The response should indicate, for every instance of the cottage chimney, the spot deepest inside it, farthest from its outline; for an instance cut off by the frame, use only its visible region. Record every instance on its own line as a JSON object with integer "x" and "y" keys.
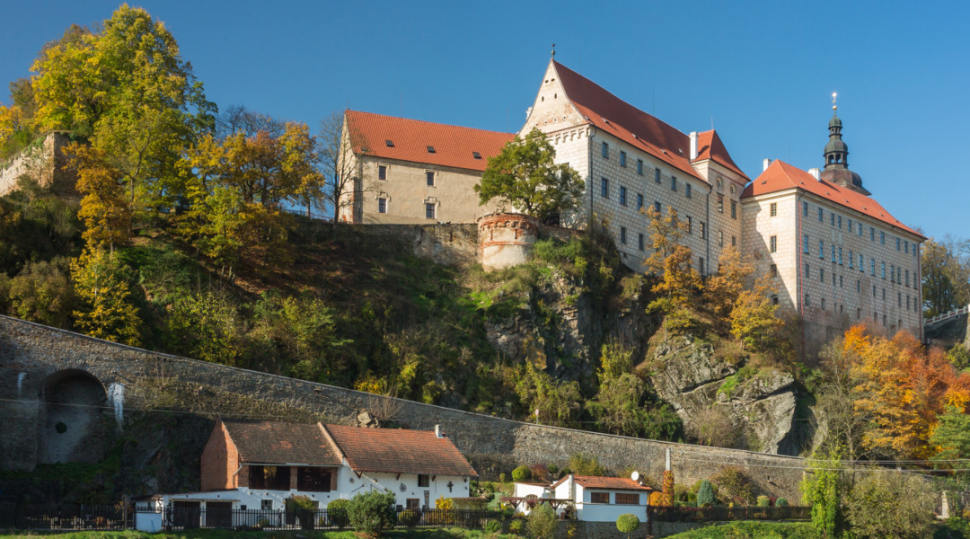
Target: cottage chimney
{"x": 816, "y": 173}
{"x": 693, "y": 145}
{"x": 437, "y": 431}
{"x": 766, "y": 164}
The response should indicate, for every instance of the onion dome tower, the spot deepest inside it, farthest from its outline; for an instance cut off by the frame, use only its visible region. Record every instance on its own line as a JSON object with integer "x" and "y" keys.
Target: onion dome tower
{"x": 837, "y": 157}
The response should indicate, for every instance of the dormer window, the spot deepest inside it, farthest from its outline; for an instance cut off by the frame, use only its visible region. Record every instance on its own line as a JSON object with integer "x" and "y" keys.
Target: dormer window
{"x": 476, "y": 155}
{"x": 431, "y": 149}
{"x": 389, "y": 143}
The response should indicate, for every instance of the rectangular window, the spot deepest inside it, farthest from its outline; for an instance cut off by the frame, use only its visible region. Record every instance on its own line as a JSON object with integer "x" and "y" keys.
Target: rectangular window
{"x": 839, "y": 221}
{"x": 808, "y": 271}
{"x": 892, "y": 273}
{"x": 429, "y": 210}
{"x": 831, "y": 219}
{"x": 690, "y": 225}
{"x": 599, "y": 497}
{"x": 656, "y": 207}
{"x": 872, "y": 234}
{"x": 851, "y": 260}
{"x": 703, "y": 231}
{"x": 639, "y": 202}
{"x": 805, "y": 244}
{"x": 623, "y": 235}
{"x": 900, "y": 299}
{"x": 773, "y": 270}
{"x": 823, "y": 304}
{"x": 413, "y": 503}
{"x": 269, "y": 477}
{"x": 686, "y": 189}
{"x": 622, "y": 196}
{"x": 700, "y": 266}
{"x": 873, "y": 290}
{"x": 381, "y": 172}
{"x": 430, "y": 178}
{"x": 883, "y": 270}
{"x": 805, "y": 209}
{"x": 424, "y": 480}
{"x": 627, "y": 498}
{"x": 622, "y": 158}
{"x": 773, "y": 244}
{"x": 640, "y": 242}
{"x": 850, "y": 226}
{"x": 656, "y": 175}
{"x": 640, "y": 167}
{"x": 862, "y": 264}
{"x": 604, "y": 188}
{"x": 907, "y": 277}
{"x": 840, "y": 256}
{"x": 821, "y": 249}
{"x": 314, "y": 479}
{"x": 605, "y": 151}
{"x": 882, "y": 238}
{"x": 673, "y": 183}
{"x": 833, "y": 253}
{"x": 382, "y": 205}
{"x": 884, "y": 294}
{"x": 820, "y": 214}
{"x": 897, "y": 245}
{"x": 906, "y": 247}
{"x": 720, "y": 238}
{"x": 821, "y": 275}
{"x": 734, "y": 241}
{"x": 860, "y": 230}
{"x": 734, "y": 210}
{"x": 858, "y": 286}
{"x": 833, "y": 278}
{"x": 807, "y": 303}
{"x": 774, "y": 209}
{"x": 872, "y": 266}
{"x": 720, "y": 203}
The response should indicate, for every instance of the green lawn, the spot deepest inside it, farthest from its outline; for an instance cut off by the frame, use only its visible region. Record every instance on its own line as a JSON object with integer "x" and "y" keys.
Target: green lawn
{"x": 749, "y": 529}
{"x": 450, "y": 533}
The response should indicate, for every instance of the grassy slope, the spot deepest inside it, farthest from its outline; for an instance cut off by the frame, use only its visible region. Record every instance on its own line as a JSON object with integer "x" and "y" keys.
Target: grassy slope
{"x": 448, "y": 533}
{"x": 759, "y": 530}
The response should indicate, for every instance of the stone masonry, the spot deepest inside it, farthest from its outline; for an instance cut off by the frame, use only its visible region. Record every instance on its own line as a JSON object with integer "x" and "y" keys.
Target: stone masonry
{"x": 31, "y": 353}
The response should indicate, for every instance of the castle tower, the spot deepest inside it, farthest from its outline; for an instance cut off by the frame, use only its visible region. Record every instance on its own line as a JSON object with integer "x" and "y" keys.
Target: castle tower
{"x": 837, "y": 158}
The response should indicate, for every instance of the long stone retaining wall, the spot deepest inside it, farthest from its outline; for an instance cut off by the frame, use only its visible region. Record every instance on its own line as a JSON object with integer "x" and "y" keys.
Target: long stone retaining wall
{"x": 32, "y": 355}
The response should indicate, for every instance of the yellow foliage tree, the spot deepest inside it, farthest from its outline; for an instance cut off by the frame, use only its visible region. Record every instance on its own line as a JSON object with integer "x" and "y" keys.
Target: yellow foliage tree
{"x": 722, "y": 289}
{"x": 753, "y": 317}
{"x": 680, "y": 283}
{"x": 102, "y": 286}
{"x": 104, "y": 207}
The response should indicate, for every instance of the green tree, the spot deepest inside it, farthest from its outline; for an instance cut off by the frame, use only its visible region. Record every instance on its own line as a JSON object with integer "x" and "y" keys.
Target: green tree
{"x": 627, "y": 523}
{"x": 42, "y": 292}
{"x": 542, "y": 522}
{"x": 617, "y": 406}
{"x": 372, "y": 512}
{"x": 705, "y": 494}
{"x": 580, "y": 464}
{"x": 557, "y": 401}
{"x": 825, "y": 491}
{"x": 107, "y": 309}
{"x": 952, "y": 437}
{"x": 525, "y": 175}
{"x": 890, "y": 504}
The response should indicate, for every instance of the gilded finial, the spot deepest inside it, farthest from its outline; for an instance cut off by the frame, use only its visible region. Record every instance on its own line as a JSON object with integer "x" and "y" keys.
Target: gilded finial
{"x": 553, "y": 50}
{"x": 834, "y": 96}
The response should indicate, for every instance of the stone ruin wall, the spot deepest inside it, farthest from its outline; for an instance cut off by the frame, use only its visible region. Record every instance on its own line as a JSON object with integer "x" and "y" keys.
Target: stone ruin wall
{"x": 31, "y": 355}
{"x": 46, "y": 164}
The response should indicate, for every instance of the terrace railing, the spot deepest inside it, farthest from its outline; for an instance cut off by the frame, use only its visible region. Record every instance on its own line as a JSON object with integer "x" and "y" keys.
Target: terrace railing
{"x": 65, "y": 517}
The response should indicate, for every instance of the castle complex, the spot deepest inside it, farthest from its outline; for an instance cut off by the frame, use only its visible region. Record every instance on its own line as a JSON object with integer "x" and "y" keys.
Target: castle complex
{"x": 836, "y": 256}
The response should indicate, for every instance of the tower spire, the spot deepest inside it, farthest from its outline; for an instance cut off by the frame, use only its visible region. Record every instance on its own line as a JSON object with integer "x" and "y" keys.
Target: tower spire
{"x": 837, "y": 156}
{"x": 553, "y": 51}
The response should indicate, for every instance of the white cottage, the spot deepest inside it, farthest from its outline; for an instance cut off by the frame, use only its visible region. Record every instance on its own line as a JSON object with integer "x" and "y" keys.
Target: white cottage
{"x": 595, "y": 499}
{"x": 249, "y": 465}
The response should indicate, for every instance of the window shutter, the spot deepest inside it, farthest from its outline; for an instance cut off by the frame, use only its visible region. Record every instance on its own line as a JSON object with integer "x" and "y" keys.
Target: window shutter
{"x": 333, "y": 479}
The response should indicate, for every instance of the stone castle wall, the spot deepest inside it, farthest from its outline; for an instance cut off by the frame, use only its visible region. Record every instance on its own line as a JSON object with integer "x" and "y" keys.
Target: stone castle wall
{"x": 31, "y": 353}
{"x": 506, "y": 240}
{"x": 46, "y": 164}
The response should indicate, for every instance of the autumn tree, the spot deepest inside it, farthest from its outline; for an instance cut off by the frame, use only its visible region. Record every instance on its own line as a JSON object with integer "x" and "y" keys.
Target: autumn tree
{"x": 107, "y": 309}
{"x": 722, "y": 289}
{"x": 105, "y": 210}
{"x": 753, "y": 318}
{"x": 680, "y": 283}
{"x": 525, "y": 175}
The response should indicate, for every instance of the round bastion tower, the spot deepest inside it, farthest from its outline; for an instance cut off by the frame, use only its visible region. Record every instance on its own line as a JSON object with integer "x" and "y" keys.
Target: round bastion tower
{"x": 506, "y": 239}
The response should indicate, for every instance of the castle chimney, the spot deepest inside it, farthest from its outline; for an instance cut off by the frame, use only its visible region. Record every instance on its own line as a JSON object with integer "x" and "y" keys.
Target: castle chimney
{"x": 766, "y": 164}
{"x": 816, "y": 173}
{"x": 693, "y": 145}
{"x": 437, "y": 431}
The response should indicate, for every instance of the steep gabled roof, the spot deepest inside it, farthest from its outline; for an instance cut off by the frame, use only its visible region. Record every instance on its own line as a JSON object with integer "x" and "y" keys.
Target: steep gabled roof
{"x": 780, "y": 176}
{"x": 399, "y": 451}
{"x": 635, "y": 127}
{"x": 271, "y": 442}
{"x": 454, "y": 146}
{"x": 710, "y": 146}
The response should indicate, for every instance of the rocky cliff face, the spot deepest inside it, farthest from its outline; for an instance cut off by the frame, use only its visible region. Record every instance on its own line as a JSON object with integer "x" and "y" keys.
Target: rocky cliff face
{"x": 761, "y": 404}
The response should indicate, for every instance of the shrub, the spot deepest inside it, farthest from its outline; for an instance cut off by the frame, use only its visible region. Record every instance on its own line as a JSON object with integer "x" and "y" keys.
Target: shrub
{"x": 540, "y": 472}
{"x": 493, "y": 526}
{"x": 501, "y": 477}
{"x": 582, "y": 465}
{"x": 294, "y": 503}
{"x": 371, "y": 513}
{"x": 409, "y": 518}
{"x": 542, "y": 522}
{"x": 479, "y": 503}
{"x": 553, "y": 471}
{"x": 890, "y": 505}
{"x": 705, "y": 494}
{"x": 734, "y": 485}
{"x": 337, "y": 513}
{"x": 763, "y": 501}
{"x": 781, "y": 502}
{"x": 522, "y": 473}
{"x": 516, "y": 526}
{"x": 627, "y": 523}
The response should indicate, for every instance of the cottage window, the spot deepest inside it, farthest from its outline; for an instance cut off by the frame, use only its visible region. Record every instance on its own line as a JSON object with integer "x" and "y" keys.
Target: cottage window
{"x": 424, "y": 480}
{"x": 599, "y": 497}
{"x": 413, "y": 503}
{"x": 266, "y": 505}
{"x": 269, "y": 477}
{"x": 627, "y": 498}
{"x": 314, "y": 479}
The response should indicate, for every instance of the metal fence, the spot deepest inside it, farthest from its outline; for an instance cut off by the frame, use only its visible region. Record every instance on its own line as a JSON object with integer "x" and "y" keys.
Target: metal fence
{"x": 722, "y": 514}
{"x": 184, "y": 518}
{"x": 66, "y": 517}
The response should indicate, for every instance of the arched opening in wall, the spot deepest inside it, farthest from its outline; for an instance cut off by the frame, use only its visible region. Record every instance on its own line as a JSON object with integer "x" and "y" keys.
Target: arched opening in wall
{"x": 72, "y": 426}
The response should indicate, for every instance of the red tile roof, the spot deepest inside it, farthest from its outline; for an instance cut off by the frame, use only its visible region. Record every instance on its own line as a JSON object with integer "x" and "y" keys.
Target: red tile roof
{"x": 454, "y": 146}
{"x": 710, "y": 146}
{"x": 611, "y": 483}
{"x": 269, "y": 442}
{"x": 780, "y": 176}
{"x": 633, "y": 126}
{"x": 399, "y": 451}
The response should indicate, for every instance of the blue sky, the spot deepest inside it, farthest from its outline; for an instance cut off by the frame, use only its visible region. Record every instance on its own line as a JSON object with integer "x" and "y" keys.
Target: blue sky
{"x": 763, "y": 72}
